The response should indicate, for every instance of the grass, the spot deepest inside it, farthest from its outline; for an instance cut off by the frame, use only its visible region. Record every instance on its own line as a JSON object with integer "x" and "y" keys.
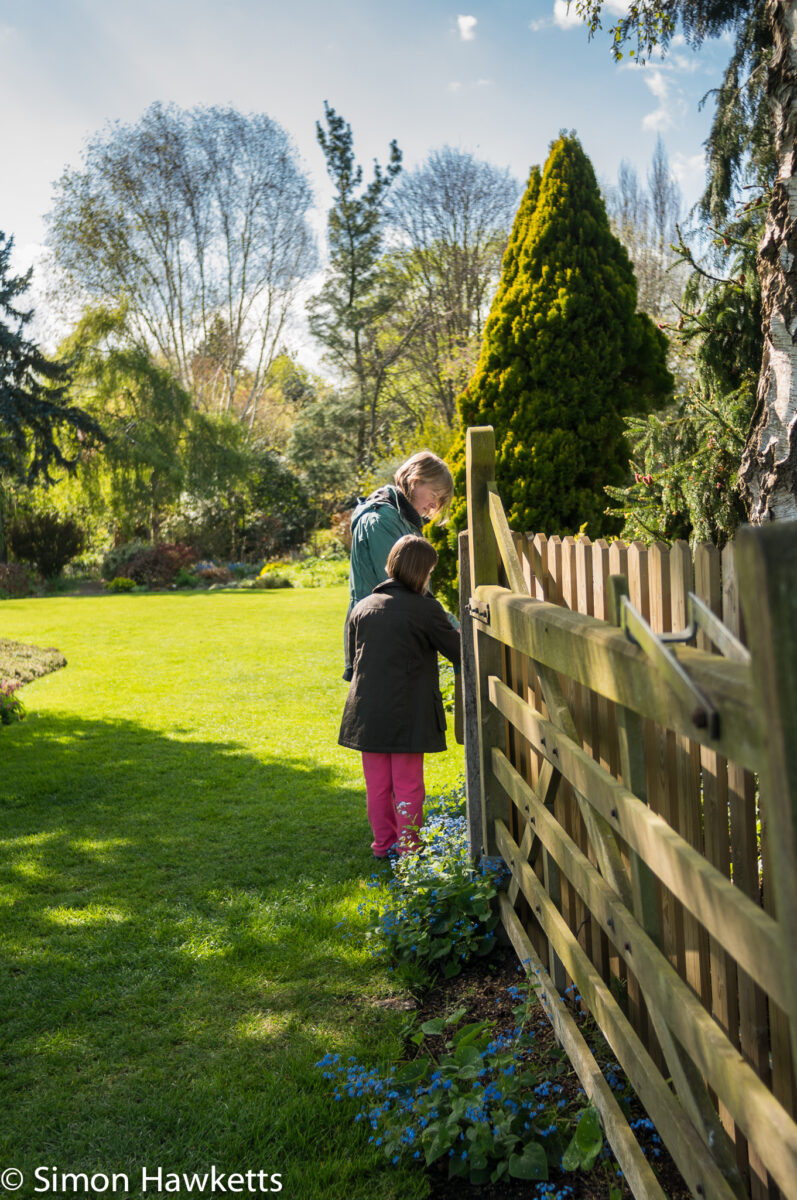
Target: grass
{"x": 181, "y": 837}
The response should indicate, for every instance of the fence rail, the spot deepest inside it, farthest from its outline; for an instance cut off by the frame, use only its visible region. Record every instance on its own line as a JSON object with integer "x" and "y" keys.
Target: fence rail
{"x": 619, "y": 780}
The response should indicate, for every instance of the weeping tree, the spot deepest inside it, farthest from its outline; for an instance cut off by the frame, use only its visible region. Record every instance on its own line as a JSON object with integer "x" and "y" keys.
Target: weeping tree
{"x": 565, "y": 357}
{"x": 753, "y": 136}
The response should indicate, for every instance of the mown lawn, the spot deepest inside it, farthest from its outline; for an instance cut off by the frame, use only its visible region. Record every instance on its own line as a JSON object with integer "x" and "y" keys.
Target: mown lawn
{"x": 180, "y": 838}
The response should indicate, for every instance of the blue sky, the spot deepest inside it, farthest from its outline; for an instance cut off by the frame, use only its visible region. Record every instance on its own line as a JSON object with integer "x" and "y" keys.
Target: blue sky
{"x": 498, "y": 77}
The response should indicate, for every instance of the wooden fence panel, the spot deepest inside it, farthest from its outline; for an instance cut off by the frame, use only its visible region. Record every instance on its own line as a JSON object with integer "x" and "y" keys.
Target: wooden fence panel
{"x": 691, "y": 787}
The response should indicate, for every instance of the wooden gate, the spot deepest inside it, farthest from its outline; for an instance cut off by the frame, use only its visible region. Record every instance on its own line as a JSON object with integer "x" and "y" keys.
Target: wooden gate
{"x": 616, "y": 773}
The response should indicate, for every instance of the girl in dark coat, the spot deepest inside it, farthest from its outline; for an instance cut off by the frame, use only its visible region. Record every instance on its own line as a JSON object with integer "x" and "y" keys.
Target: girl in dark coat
{"x": 394, "y": 711}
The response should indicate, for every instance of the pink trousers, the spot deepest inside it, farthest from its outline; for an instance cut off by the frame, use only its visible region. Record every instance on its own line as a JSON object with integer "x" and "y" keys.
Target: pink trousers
{"x": 394, "y": 793}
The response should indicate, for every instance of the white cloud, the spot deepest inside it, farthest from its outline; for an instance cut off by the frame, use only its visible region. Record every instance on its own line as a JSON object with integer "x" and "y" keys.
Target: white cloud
{"x": 454, "y": 86}
{"x": 565, "y": 16}
{"x": 671, "y": 101}
{"x": 689, "y": 170}
{"x": 661, "y": 117}
{"x": 484, "y": 83}
{"x": 467, "y": 28}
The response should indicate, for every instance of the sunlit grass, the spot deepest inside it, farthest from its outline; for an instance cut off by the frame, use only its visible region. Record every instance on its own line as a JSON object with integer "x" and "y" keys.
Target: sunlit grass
{"x": 181, "y": 838}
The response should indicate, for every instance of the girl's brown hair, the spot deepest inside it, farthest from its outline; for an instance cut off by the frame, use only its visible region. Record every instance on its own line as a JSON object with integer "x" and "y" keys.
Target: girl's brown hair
{"x": 410, "y": 561}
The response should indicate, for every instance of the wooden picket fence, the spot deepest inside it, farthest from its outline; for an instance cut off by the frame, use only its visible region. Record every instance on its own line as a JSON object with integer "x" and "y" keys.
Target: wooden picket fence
{"x": 618, "y": 777}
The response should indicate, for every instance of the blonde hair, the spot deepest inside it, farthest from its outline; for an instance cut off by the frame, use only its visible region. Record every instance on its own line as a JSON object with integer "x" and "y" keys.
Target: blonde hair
{"x": 428, "y": 468}
{"x": 411, "y": 560}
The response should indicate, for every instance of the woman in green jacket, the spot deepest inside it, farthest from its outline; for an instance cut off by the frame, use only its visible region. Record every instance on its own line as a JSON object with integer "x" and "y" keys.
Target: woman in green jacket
{"x": 423, "y": 488}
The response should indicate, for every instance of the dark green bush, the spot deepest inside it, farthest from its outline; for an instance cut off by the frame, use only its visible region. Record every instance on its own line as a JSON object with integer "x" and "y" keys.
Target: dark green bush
{"x": 564, "y": 358}
{"x": 45, "y": 541}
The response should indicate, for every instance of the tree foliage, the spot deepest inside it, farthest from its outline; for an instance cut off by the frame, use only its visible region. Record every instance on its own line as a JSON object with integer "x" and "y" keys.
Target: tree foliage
{"x": 645, "y": 218}
{"x": 34, "y": 406}
{"x": 565, "y": 357}
{"x": 348, "y": 313}
{"x": 451, "y": 217}
{"x": 197, "y": 221}
{"x": 654, "y": 22}
{"x": 159, "y": 446}
{"x": 685, "y": 460}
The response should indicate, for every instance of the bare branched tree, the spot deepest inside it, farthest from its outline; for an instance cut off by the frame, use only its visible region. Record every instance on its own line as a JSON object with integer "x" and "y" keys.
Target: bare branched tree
{"x": 645, "y": 219}
{"x": 196, "y": 222}
{"x": 450, "y": 219}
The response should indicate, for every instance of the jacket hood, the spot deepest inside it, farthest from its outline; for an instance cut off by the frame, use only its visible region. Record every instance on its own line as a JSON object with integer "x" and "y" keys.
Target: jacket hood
{"x": 387, "y": 495}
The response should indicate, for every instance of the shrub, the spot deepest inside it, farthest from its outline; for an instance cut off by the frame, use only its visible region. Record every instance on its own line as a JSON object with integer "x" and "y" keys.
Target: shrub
{"x": 11, "y": 707}
{"x": 271, "y": 580}
{"x": 311, "y": 572}
{"x": 341, "y": 527}
{"x": 436, "y": 911}
{"x": 15, "y": 580}
{"x": 45, "y": 540}
{"x": 120, "y": 556}
{"x": 120, "y": 584}
{"x": 186, "y": 578}
{"x": 213, "y": 574}
{"x": 487, "y": 1104}
{"x": 158, "y": 566}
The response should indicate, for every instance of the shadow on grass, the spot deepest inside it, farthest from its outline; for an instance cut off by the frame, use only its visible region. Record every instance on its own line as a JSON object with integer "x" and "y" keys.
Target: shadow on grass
{"x": 173, "y": 963}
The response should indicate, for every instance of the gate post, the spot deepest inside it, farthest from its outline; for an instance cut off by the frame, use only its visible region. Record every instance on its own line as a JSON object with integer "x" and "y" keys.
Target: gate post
{"x": 470, "y": 716}
{"x": 483, "y": 559}
{"x": 767, "y": 566}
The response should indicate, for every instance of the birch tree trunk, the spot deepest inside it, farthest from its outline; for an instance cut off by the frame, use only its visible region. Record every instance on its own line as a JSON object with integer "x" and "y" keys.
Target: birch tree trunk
{"x": 768, "y": 473}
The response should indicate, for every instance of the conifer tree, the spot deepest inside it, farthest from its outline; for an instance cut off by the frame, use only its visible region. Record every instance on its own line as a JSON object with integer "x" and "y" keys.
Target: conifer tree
{"x": 565, "y": 357}
{"x": 33, "y": 407}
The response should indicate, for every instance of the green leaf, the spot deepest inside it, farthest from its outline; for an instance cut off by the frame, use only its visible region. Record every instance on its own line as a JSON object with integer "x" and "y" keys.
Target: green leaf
{"x": 470, "y": 1032}
{"x": 433, "y": 1027}
{"x": 586, "y": 1143}
{"x": 411, "y": 1073}
{"x": 457, "y": 1166}
{"x": 468, "y": 1057}
{"x": 456, "y": 1016}
{"x": 531, "y": 1164}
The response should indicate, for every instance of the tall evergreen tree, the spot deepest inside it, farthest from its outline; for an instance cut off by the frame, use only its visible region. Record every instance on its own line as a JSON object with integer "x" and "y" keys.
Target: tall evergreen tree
{"x": 565, "y": 357}
{"x": 347, "y": 313}
{"x": 33, "y": 407}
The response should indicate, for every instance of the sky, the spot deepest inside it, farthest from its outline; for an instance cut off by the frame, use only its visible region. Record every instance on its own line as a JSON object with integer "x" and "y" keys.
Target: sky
{"x": 499, "y": 78}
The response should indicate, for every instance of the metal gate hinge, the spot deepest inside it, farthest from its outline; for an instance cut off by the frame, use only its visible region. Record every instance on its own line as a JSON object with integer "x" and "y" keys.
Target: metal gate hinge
{"x": 479, "y": 611}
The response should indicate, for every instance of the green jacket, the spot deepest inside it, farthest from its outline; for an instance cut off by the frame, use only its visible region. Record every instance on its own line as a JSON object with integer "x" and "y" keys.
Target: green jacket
{"x": 376, "y": 525}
